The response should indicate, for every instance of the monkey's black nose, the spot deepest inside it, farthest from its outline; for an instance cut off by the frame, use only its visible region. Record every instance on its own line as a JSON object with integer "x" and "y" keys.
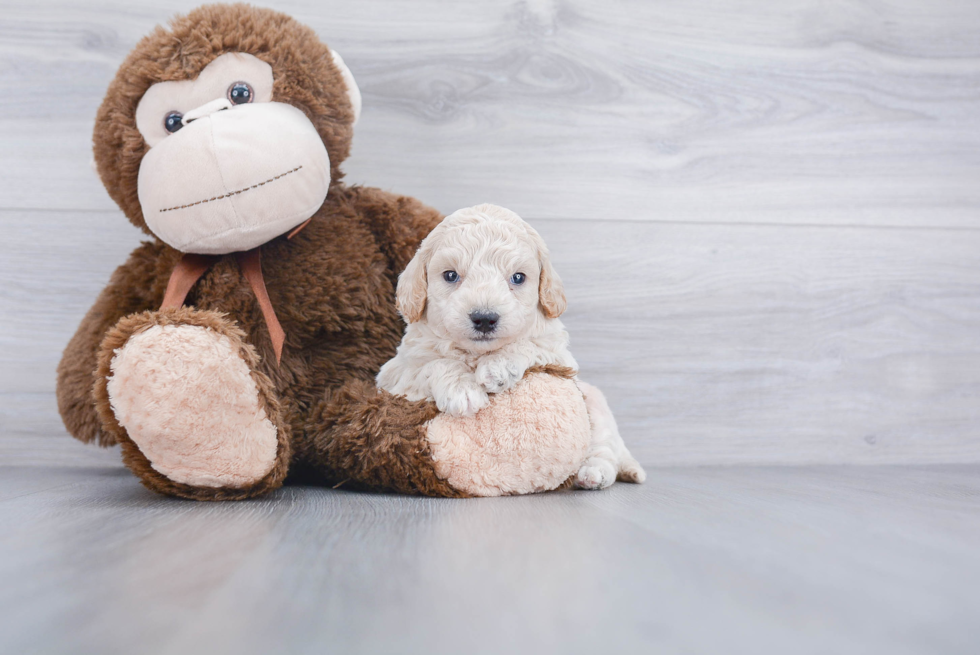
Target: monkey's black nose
{"x": 484, "y": 321}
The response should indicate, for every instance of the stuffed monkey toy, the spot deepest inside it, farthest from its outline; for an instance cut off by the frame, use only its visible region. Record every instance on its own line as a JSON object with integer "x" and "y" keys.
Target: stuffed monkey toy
{"x": 240, "y": 343}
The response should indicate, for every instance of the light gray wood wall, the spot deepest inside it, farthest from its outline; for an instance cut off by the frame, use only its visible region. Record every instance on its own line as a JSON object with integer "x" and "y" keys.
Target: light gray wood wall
{"x": 767, "y": 214}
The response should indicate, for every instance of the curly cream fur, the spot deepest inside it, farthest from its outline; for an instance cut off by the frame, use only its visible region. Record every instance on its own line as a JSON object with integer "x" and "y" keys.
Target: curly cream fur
{"x": 443, "y": 357}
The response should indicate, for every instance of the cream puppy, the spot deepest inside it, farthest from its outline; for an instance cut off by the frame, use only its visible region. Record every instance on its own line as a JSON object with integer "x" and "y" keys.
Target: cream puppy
{"x": 482, "y": 302}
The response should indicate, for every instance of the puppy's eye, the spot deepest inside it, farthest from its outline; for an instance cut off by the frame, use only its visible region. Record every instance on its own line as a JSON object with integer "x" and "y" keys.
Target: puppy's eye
{"x": 517, "y": 278}
{"x": 450, "y": 276}
{"x": 240, "y": 93}
{"x": 172, "y": 122}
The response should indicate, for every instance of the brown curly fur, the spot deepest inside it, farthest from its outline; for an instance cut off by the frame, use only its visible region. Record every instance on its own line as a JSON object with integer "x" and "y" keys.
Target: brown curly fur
{"x": 332, "y": 285}
{"x": 372, "y": 440}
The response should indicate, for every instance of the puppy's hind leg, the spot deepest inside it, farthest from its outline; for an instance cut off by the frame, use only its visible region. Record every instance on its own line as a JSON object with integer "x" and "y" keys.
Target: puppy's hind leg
{"x": 608, "y": 460}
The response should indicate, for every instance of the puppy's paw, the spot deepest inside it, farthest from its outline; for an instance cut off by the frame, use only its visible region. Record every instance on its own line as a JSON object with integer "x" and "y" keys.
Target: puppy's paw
{"x": 463, "y": 400}
{"x": 596, "y": 473}
{"x": 498, "y": 373}
{"x": 631, "y": 471}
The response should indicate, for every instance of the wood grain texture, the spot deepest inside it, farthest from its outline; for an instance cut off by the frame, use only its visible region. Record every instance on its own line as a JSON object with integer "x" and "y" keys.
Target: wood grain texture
{"x": 715, "y": 344}
{"x": 699, "y": 560}
{"x": 767, "y": 344}
{"x": 767, "y": 217}
{"x": 807, "y": 113}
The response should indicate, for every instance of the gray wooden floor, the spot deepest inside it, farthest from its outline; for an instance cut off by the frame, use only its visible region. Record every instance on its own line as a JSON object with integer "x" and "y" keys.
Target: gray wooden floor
{"x": 699, "y": 560}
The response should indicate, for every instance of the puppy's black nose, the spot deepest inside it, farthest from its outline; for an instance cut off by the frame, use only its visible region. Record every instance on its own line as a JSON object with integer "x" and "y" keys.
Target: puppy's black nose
{"x": 484, "y": 321}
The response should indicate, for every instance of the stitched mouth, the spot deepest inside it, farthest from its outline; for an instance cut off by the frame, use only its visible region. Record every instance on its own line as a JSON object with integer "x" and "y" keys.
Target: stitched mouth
{"x": 232, "y": 193}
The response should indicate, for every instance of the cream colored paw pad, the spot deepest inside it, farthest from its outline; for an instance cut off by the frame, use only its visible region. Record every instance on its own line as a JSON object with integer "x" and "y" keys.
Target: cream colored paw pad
{"x": 187, "y": 400}
{"x": 529, "y": 439}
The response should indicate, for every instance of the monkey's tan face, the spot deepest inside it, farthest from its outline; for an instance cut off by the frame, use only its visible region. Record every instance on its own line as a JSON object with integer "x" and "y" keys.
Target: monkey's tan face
{"x": 228, "y": 169}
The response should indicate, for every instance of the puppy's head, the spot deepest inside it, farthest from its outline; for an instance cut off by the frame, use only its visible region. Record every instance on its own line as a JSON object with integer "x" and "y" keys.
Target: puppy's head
{"x": 481, "y": 279}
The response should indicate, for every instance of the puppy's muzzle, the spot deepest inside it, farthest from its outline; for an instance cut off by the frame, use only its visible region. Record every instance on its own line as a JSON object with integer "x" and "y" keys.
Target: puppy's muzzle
{"x": 484, "y": 321}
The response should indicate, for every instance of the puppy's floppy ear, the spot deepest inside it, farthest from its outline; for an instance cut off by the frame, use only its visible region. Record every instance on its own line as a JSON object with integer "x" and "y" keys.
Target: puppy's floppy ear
{"x": 413, "y": 284}
{"x": 551, "y": 292}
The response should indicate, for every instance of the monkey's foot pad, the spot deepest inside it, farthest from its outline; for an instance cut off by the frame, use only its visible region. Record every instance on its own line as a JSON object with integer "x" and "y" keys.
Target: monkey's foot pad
{"x": 187, "y": 399}
{"x": 531, "y": 438}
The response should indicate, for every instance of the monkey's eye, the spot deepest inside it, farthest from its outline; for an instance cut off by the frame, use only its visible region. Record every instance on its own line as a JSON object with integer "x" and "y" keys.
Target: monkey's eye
{"x": 517, "y": 278}
{"x": 172, "y": 122}
{"x": 240, "y": 93}
{"x": 450, "y": 276}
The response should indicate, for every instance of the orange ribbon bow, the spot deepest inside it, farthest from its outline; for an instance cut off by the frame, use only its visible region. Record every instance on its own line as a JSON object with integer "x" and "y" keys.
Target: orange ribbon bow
{"x": 191, "y": 267}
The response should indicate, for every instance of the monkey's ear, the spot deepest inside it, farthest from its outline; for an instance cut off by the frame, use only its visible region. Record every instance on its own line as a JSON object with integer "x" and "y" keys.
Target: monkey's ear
{"x": 353, "y": 93}
{"x": 413, "y": 284}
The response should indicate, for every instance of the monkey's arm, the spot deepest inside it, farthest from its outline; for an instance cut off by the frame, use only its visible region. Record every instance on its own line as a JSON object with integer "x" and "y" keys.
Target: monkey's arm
{"x": 138, "y": 285}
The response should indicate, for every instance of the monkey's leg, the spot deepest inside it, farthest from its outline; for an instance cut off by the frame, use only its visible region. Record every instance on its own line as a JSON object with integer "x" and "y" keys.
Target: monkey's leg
{"x": 180, "y": 391}
{"x": 372, "y": 438}
{"x": 361, "y": 437}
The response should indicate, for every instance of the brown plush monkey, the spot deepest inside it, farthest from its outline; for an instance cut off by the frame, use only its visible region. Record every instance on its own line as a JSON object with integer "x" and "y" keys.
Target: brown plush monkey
{"x": 222, "y": 139}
